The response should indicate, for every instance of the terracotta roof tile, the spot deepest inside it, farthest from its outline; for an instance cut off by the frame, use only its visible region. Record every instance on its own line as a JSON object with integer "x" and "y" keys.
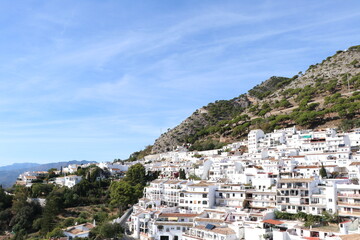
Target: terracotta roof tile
{"x": 272, "y": 221}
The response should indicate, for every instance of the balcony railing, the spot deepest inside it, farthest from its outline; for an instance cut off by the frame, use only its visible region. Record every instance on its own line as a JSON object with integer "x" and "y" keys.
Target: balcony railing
{"x": 349, "y": 195}
{"x": 348, "y": 204}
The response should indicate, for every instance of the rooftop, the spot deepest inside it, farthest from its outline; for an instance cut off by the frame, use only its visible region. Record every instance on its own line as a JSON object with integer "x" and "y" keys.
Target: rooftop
{"x": 291, "y": 180}
{"x": 189, "y": 215}
{"x": 272, "y": 221}
{"x": 219, "y": 230}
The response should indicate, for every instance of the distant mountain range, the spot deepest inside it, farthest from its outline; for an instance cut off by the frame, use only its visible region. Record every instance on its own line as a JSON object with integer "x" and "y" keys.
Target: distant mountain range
{"x": 9, "y": 173}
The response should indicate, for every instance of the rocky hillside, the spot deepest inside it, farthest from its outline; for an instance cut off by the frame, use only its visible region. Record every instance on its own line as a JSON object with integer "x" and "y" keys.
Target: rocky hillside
{"x": 325, "y": 95}
{"x": 205, "y": 116}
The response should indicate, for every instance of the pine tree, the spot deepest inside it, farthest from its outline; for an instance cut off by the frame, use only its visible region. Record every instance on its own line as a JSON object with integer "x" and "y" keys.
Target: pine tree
{"x": 322, "y": 172}
{"x": 182, "y": 174}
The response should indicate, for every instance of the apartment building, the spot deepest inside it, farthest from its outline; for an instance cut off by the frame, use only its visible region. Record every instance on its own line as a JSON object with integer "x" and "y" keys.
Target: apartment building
{"x": 294, "y": 194}
{"x": 253, "y": 140}
{"x": 231, "y": 195}
{"x": 198, "y": 196}
{"x": 348, "y": 196}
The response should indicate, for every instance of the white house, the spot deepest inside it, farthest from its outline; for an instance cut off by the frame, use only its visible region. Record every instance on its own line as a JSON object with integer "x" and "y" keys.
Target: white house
{"x": 79, "y": 231}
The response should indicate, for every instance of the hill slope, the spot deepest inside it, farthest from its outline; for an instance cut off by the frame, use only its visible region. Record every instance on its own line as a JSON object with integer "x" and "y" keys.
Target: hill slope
{"x": 325, "y": 95}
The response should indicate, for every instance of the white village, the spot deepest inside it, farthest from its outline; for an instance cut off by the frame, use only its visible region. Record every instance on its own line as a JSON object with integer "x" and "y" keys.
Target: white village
{"x": 268, "y": 186}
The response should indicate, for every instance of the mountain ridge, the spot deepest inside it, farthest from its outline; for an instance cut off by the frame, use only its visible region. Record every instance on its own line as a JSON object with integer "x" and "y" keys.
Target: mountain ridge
{"x": 303, "y": 100}
{"x": 16, "y": 166}
{"x": 9, "y": 173}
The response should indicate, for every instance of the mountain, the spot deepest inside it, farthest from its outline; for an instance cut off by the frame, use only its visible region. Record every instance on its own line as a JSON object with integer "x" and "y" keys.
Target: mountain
{"x": 8, "y": 174}
{"x": 326, "y": 95}
{"x": 16, "y": 166}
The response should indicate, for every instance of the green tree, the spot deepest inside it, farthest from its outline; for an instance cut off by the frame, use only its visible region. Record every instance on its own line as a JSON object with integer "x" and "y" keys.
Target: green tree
{"x": 20, "y": 199}
{"x": 5, "y": 200}
{"x": 139, "y": 191}
{"x": 194, "y": 177}
{"x": 51, "y": 173}
{"x": 100, "y": 217}
{"x": 329, "y": 218}
{"x": 83, "y": 188}
{"x": 24, "y": 217}
{"x": 122, "y": 193}
{"x": 152, "y": 175}
{"x": 106, "y": 231}
{"x": 136, "y": 174}
{"x": 40, "y": 190}
{"x": 5, "y": 217}
{"x": 68, "y": 222}
{"x": 322, "y": 171}
{"x": 182, "y": 174}
{"x": 54, "y": 205}
{"x": 20, "y": 235}
{"x": 56, "y": 233}
{"x": 109, "y": 230}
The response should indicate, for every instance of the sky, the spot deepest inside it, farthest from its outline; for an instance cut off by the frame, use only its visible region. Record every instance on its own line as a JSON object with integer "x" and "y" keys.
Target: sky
{"x": 98, "y": 80}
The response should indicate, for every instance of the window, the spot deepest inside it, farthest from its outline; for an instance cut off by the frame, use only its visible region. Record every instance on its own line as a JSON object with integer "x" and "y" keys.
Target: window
{"x": 330, "y": 200}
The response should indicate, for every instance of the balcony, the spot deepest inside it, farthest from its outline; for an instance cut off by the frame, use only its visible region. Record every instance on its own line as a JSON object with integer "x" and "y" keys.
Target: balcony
{"x": 348, "y": 195}
{"x": 349, "y": 213}
{"x": 260, "y": 199}
{"x": 349, "y": 204}
{"x": 293, "y": 204}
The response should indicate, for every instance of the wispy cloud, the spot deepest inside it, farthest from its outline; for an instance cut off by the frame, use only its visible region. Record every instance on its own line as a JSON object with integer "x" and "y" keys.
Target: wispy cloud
{"x": 92, "y": 72}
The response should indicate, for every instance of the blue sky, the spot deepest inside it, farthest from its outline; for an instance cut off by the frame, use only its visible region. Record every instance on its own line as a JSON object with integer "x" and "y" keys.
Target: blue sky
{"x": 98, "y": 80}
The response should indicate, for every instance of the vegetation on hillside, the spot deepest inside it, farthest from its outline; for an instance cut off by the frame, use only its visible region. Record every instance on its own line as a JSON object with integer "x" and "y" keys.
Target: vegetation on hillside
{"x": 307, "y": 100}
{"x": 96, "y": 197}
{"x": 140, "y": 154}
{"x": 266, "y": 88}
{"x": 309, "y": 219}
